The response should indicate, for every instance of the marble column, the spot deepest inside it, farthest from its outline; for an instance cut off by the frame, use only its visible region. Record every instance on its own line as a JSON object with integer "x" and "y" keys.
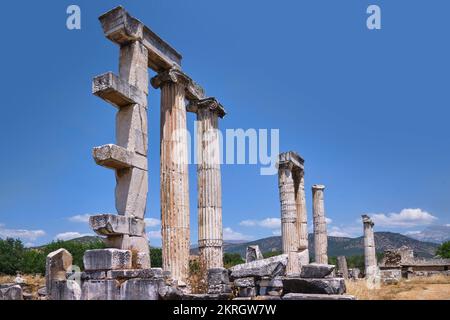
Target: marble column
{"x": 210, "y": 236}
{"x": 174, "y": 173}
{"x": 370, "y": 258}
{"x": 289, "y": 236}
{"x": 320, "y": 225}
{"x": 302, "y": 215}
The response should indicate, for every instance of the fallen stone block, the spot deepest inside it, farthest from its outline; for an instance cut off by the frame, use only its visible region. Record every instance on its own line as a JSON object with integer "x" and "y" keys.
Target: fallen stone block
{"x": 319, "y": 286}
{"x": 272, "y": 267}
{"x": 113, "y": 224}
{"x": 141, "y": 289}
{"x": 57, "y": 264}
{"x": 11, "y": 292}
{"x": 135, "y": 273}
{"x": 107, "y": 259}
{"x": 253, "y": 253}
{"x": 247, "y": 292}
{"x": 244, "y": 282}
{"x": 316, "y": 270}
{"x": 65, "y": 290}
{"x": 101, "y": 290}
{"x": 305, "y": 296}
{"x": 169, "y": 293}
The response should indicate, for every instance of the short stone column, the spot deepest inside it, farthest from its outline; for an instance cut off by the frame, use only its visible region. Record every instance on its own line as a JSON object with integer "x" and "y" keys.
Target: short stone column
{"x": 174, "y": 173}
{"x": 289, "y": 234}
{"x": 342, "y": 266}
{"x": 320, "y": 225}
{"x": 210, "y": 237}
{"x": 370, "y": 258}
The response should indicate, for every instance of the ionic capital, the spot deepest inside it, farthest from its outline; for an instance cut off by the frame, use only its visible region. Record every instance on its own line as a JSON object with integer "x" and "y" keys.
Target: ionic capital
{"x": 210, "y": 103}
{"x": 367, "y": 221}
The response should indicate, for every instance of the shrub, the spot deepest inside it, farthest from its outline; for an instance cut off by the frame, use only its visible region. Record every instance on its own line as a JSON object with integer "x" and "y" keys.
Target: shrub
{"x": 444, "y": 250}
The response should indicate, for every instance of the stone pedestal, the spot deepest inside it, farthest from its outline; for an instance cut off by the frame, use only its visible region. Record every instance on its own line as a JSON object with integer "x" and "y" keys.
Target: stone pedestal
{"x": 320, "y": 225}
{"x": 210, "y": 237}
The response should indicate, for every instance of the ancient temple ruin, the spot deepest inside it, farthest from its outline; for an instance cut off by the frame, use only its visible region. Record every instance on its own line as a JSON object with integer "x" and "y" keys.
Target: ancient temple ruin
{"x": 370, "y": 257}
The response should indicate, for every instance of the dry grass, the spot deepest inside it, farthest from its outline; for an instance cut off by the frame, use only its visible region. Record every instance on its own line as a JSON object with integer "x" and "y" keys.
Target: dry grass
{"x": 31, "y": 285}
{"x": 423, "y": 288}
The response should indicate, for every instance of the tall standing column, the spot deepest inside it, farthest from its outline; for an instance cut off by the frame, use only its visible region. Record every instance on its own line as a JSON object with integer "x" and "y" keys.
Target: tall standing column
{"x": 174, "y": 173}
{"x": 210, "y": 237}
{"x": 302, "y": 215}
{"x": 320, "y": 225}
{"x": 370, "y": 258}
{"x": 289, "y": 234}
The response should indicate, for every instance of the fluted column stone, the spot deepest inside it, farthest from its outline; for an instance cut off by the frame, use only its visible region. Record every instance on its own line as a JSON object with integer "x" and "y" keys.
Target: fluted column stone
{"x": 320, "y": 225}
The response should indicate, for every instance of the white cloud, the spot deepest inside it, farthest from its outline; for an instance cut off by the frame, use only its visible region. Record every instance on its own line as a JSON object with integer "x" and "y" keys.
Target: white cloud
{"x": 70, "y": 235}
{"x": 154, "y": 234}
{"x": 276, "y": 232}
{"x": 447, "y": 225}
{"x": 230, "y": 234}
{"x": 406, "y": 218}
{"x": 20, "y": 233}
{"x": 152, "y": 222}
{"x": 83, "y": 218}
{"x": 412, "y": 232}
{"x": 269, "y": 223}
{"x": 328, "y": 220}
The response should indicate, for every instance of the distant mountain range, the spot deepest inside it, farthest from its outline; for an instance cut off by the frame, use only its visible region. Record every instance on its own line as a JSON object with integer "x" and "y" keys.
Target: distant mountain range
{"x": 336, "y": 245}
{"x": 343, "y": 246}
{"x": 436, "y": 234}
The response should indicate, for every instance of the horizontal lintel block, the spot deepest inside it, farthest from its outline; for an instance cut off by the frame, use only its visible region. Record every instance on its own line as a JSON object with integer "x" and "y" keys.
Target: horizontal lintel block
{"x": 121, "y": 28}
{"x": 116, "y": 157}
{"x": 116, "y": 91}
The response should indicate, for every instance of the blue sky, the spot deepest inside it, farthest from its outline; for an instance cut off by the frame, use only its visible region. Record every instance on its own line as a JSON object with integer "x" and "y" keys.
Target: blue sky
{"x": 368, "y": 110}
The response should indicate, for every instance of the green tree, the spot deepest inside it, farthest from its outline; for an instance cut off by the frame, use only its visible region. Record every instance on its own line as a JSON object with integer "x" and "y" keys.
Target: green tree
{"x": 232, "y": 259}
{"x": 271, "y": 254}
{"x": 444, "y": 250}
{"x": 11, "y": 254}
{"x": 156, "y": 257}
{"x": 33, "y": 262}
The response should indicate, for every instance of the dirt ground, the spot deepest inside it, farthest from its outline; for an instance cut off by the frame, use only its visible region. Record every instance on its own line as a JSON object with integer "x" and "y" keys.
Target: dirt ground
{"x": 432, "y": 288}
{"x": 31, "y": 285}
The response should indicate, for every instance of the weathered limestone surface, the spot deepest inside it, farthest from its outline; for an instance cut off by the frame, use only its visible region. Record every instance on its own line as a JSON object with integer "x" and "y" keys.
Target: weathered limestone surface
{"x": 107, "y": 259}
{"x": 210, "y": 238}
{"x": 122, "y": 28}
{"x": 302, "y": 214}
{"x": 110, "y": 225}
{"x": 272, "y": 267}
{"x": 141, "y": 289}
{"x": 11, "y": 292}
{"x": 342, "y": 266}
{"x": 316, "y": 270}
{"x": 65, "y": 290}
{"x": 174, "y": 173}
{"x": 57, "y": 264}
{"x": 101, "y": 290}
{"x": 370, "y": 258}
{"x": 306, "y": 296}
{"x": 244, "y": 282}
{"x": 218, "y": 281}
{"x": 320, "y": 225}
{"x": 136, "y": 273}
{"x": 289, "y": 235}
{"x": 319, "y": 286}
{"x": 116, "y": 91}
{"x": 253, "y": 253}
{"x": 116, "y": 157}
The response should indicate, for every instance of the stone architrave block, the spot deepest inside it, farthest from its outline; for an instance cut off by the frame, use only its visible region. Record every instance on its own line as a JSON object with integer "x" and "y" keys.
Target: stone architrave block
{"x": 272, "y": 266}
{"x": 116, "y": 157}
{"x": 319, "y": 286}
{"x": 107, "y": 259}
{"x": 141, "y": 289}
{"x": 316, "y": 270}
{"x": 101, "y": 290}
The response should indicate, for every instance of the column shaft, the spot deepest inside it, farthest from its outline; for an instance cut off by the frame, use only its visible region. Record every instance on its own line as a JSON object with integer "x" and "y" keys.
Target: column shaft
{"x": 174, "y": 180}
{"x": 320, "y": 226}
{"x": 289, "y": 234}
{"x": 209, "y": 190}
{"x": 370, "y": 258}
{"x": 302, "y": 215}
